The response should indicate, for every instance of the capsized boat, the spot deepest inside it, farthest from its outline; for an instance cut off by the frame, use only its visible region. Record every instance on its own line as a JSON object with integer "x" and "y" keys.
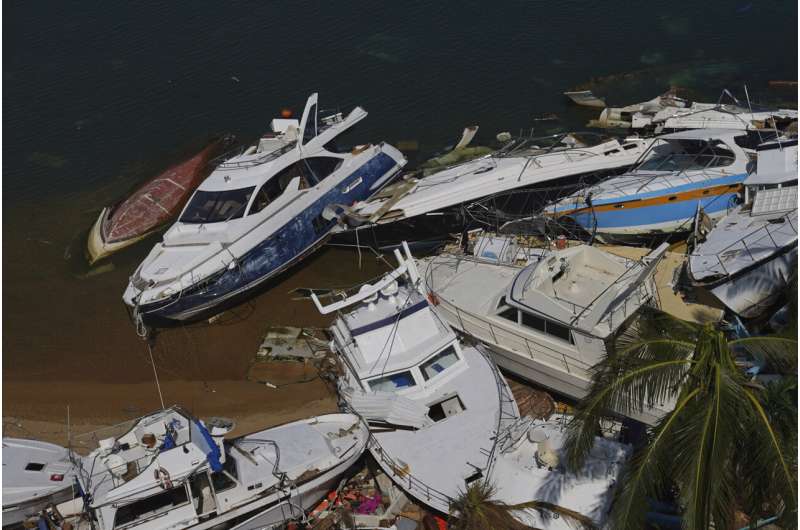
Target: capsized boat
{"x": 669, "y": 112}
{"x": 152, "y": 204}
{"x": 442, "y": 416}
{"x": 749, "y": 258}
{"x": 35, "y": 474}
{"x": 679, "y": 173}
{"x": 516, "y": 180}
{"x": 171, "y": 470}
{"x": 256, "y": 215}
{"x": 547, "y": 315}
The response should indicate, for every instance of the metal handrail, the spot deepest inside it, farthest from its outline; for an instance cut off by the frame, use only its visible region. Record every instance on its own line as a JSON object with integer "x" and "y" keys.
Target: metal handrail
{"x": 743, "y": 241}
{"x": 407, "y": 478}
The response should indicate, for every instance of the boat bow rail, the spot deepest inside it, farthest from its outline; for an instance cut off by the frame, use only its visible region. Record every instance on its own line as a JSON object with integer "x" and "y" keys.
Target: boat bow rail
{"x": 752, "y": 247}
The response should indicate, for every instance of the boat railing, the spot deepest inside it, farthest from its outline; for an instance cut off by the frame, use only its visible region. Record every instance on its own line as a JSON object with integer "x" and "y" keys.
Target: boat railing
{"x": 485, "y": 330}
{"x": 508, "y": 413}
{"x": 764, "y": 235}
{"x": 402, "y": 475}
{"x": 266, "y": 157}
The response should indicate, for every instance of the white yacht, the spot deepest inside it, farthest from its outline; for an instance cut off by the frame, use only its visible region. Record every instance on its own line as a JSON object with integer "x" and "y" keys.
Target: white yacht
{"x": 171, "y": 470}
{"x": 441, "y": 414}
{"x": 669, "y": 112}
{"x": 749, "y": 258}
{"x": 35, "y": 474}
{"x": 679, "y": 173}
{"x": 550, "y": 318}
{"x": 257, "y": 214}
{"x": 516, "y": 180}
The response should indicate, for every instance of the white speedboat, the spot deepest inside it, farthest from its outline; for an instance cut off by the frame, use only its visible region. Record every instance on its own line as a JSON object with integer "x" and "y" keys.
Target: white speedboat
{"x": 35, "y": 474}
{"x": 441, "y": 414}
{"x": 517, "y": 180}
{"x": 749, "y": 258}
{"x": 257, "y": 214}
{"x": 679, "y": 173}
{"x": 551, "y": 318}
{"x": 170, "y": 470}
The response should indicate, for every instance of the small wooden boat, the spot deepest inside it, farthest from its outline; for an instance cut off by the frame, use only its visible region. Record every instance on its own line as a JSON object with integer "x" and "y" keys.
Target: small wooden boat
{"x": 152, "y": 204}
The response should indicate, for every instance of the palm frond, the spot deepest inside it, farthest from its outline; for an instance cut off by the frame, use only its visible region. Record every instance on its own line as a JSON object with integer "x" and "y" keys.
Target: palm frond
{"x": 572, "y": 518}
{"x": 624, "y": 387}
{"x": 701, "y": 446}
{"x": 643, "y": 477}
{"x": 780, "y": 352}
{"x": 773, "y": 458}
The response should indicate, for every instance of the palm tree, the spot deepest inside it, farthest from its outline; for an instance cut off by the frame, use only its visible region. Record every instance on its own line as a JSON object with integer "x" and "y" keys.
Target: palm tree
{"x": 728, "y": 443}
{"x": 477, "y": 509}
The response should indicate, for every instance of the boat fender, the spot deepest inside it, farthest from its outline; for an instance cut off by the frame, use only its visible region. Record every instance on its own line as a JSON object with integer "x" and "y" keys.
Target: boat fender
{"x": 163, "y": 478}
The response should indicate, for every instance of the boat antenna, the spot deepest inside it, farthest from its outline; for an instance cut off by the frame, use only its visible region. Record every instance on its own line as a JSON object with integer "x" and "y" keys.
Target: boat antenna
{"x": 750, "y": 107}
{"x": 155, "y": 373}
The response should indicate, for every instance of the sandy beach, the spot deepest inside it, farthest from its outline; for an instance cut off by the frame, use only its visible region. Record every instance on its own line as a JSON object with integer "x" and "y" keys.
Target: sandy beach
{"x": 68, "y": 340}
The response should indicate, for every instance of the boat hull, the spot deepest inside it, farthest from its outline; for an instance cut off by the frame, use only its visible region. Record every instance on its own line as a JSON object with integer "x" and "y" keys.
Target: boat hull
{"x": 282, "y": 249}
{"x": 432, "y": 229}
{"x": 752, "y": 291}
{"x": 151, "y": 206}
{"x": 630, "y": 221}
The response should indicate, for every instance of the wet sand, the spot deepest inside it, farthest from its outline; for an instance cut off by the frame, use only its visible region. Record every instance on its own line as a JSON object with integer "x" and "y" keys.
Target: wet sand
{"x": 68, "y": 341}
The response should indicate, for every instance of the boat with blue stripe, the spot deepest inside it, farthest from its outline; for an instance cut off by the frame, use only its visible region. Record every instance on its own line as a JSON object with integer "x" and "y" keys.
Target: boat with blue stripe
{"x": 256, "y": 215}
{"x": 658, "y": 199}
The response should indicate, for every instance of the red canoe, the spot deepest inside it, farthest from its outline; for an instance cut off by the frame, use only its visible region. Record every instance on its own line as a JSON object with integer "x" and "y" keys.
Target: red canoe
{"x": 152, "y": 204}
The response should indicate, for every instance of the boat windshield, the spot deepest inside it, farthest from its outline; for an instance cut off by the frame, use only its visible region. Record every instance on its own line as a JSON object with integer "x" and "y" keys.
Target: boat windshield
{"x": 217, "y": 206}
{"x": 687, "y": 155}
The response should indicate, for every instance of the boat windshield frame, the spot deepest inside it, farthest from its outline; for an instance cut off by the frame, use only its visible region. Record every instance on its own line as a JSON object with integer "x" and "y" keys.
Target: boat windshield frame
{"x": 206, "y": 207}
{"x": 708, "y": 154}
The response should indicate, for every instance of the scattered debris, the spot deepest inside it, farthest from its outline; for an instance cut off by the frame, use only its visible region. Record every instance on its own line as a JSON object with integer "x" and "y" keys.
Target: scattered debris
{"x": 290, "y": 343}
{"x": 585, "y": 98}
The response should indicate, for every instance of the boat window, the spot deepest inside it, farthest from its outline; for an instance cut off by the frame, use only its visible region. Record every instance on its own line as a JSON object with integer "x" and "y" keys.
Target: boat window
{"x": 202, "y": 495}
{"x": 217, "y": 206}
{"x": 439, "y": 363}
{"x": 221, "y": 480}
{"x": 34, "y": 466}
{"x": 319, "y": 167}
{"x": 151, "y": 506}
{"x": 509, "y": 313}
{"x": 532, "y": 321}
{"x": 547, "y": 326}
{"x": 392, "y": 382}
{"x": 274, "y": 187}
{"x": 685, "y": 155}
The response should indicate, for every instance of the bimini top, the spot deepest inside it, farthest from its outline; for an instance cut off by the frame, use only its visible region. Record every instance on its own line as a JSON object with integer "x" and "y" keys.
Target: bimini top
{"x": 584, "y": 287}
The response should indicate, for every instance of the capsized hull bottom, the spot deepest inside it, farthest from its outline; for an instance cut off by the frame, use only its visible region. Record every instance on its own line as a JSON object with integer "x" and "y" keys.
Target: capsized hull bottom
{"x": 751, "y": 293}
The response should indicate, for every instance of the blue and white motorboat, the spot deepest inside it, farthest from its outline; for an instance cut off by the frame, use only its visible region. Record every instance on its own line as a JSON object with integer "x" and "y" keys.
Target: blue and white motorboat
{"x": 678, "y": 174}
{"x": 256, "y": 215}
{"x": 749, "y": 258}
{"x": 170, "y": 469}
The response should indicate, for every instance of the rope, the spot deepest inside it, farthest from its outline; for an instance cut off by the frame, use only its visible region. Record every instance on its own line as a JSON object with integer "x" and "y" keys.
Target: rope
{"x": 155, "y": 373}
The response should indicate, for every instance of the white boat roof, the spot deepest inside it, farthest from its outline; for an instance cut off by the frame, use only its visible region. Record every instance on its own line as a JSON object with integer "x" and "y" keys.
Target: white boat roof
{"x": 583, "y": 287}
{"x": 29, "y": 467}
{"x": 726, "y": 135}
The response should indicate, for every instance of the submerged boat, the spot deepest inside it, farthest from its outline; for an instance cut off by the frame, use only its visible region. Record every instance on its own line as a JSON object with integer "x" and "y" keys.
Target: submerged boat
{"x": 669, "y": 112}
{"x": 35, "y": 475}
{"x": 517, "y": 180}
{"x": 171, "y": 470}
{"x": 750, "y": 257}
{"x": 550, "y": 318}
{"x": 442, "y": 416}
{"x": 659, "y": 197}
{"x": 152, "y": 204}
{"x": 256, "y": 215}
